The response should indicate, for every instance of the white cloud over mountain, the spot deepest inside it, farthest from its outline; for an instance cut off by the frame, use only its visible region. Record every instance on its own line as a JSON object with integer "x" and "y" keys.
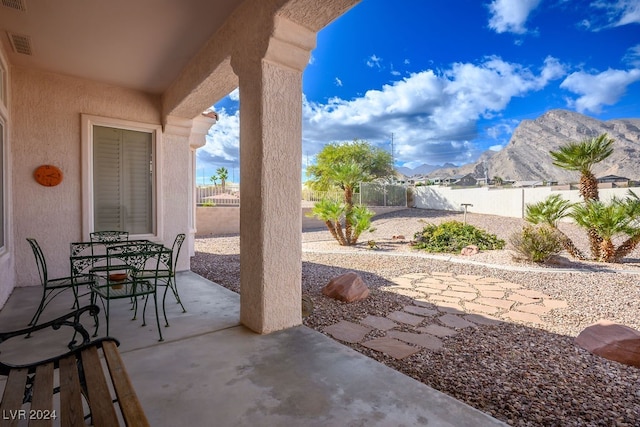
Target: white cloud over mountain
{"x": 433, "y": 117}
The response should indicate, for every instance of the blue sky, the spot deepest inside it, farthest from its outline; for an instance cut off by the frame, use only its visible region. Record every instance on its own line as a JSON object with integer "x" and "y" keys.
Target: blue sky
{"x": 451, "y": 79}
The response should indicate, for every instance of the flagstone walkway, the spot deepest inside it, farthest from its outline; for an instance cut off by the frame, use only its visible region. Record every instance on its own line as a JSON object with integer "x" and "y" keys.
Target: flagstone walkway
{"x": 444, "y": 303}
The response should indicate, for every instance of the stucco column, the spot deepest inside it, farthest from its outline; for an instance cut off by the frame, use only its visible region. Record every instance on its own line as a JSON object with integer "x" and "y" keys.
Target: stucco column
{"x": 195, "y": 131}
{"x": 270, "y": 170}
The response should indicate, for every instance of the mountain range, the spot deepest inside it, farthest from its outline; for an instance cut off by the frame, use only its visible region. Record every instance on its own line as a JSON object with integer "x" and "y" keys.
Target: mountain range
{"x": 526, "y": 157}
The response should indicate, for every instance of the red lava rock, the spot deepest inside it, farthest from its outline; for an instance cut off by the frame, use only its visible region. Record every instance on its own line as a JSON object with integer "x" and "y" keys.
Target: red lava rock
{"x": 612, "y": 341}
{"x": 469, "y": 250}
{"x": 348, "y": 287}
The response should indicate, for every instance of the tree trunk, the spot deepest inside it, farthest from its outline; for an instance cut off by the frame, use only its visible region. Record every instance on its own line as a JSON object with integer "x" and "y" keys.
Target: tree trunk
{"x": 595, "y": 243}
{"x": 332, "y": 229}
{"x": 348, "y": 227}
{"x": 589, "y": 187}
{"x": 626, "y": 247}
{"x": 341, "y": 237}
{"x": 607, "y": 250}
{"x": 569, "y": 246}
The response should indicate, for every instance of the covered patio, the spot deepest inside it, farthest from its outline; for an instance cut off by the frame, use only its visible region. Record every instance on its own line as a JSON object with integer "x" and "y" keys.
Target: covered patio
{"x": 78, "y": 78}
{"x": 211, "y": 370}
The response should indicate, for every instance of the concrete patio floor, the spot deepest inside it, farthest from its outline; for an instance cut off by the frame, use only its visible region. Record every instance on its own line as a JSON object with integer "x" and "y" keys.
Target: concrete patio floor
{"x": 210, "y": 370}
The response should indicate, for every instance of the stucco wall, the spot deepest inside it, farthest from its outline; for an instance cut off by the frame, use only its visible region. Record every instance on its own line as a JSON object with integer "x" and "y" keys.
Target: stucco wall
{"x": 509, "y": 202}
{"x": 47, "y": 130}
{"x": 216, "y": 221}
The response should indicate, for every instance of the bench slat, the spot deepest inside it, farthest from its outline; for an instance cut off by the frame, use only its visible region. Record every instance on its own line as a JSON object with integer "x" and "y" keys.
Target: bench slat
{"x": 129, "y": 404}
{"x": 42, "y": 399}
{"x": 12, "y": 397}
{"x": 103, "y": 413}
{"x": 71, "y": 410}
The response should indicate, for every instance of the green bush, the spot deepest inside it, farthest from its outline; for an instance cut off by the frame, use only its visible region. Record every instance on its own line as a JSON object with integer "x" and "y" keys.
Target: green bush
{"x": 536, "y": 243}
{"x": 452, "y": 236}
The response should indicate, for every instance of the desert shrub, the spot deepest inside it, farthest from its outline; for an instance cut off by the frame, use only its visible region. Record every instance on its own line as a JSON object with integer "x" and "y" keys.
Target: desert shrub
{"x": 536, "y": 243}
{"x": 452, "y": 236}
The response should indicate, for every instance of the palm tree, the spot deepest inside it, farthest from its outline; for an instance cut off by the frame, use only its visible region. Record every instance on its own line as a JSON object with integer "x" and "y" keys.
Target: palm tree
{"x": 214, "y": 179}
{"x": 549, "y": 212}
{"x": 498, "y": 180}
{"x": 330, "y": 211}
{"x": 581, "y": 157}
{"x": 223, "y": 175}
{"x": 633, "y": 212}
{"x": 608, "y": 220}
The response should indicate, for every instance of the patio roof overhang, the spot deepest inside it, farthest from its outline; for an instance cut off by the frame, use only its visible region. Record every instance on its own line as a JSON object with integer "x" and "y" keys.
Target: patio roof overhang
{"x": 186, "y": 55}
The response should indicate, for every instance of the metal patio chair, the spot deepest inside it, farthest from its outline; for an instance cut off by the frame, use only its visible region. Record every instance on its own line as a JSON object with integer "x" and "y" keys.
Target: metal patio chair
{"x": 53, "y": 287}
{"x": 165, "y": 275}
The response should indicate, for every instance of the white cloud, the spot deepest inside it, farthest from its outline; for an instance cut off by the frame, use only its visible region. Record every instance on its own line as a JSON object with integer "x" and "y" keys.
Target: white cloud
{"x": 431, "y": 116}
{"x": 221, "y": 149}
{"x": 235, "y": 95}
{"x": 597, "y": 90}
{"x": 374, "y": 61}
{"x": 632, "y": 56}
{"x": 617, "y": 13}
{"x": 338, "y": 82}
{"x": 511, "y": 15}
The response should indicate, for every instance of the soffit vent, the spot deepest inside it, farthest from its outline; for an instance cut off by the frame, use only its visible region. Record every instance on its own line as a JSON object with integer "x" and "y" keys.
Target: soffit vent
{"x": 15, "y": 4}
{"x": 21, "y": 44}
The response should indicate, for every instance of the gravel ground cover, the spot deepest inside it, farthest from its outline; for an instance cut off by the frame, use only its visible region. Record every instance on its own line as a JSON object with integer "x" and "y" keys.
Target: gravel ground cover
{"x": 523, "y": 374}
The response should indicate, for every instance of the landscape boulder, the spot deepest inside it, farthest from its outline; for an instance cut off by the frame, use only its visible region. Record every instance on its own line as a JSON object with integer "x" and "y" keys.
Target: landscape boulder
{"x": 611, "y": 341}
{"x": 469, "y": 250}
{"x": 348, "y": 287}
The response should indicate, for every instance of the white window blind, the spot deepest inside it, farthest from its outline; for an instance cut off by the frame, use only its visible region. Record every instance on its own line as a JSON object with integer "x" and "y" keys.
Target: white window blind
{"x": 123, "y": 180}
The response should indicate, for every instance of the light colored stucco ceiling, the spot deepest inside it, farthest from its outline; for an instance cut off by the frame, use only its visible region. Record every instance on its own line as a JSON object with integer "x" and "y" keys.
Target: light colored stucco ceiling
{"x": 140, "y": 44}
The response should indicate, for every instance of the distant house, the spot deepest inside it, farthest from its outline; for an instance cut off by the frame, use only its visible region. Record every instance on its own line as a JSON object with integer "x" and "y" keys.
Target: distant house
{"x": 612, "y": 181}
{"x": 612, "y": 178}
{"x": 462, "y": 180}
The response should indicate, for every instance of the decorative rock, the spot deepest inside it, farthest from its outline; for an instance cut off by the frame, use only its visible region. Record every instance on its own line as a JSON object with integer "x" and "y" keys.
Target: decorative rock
{"x": 348, "y": 287}
{"x": 612, "y": 341}
{"x": 469, "y": 250}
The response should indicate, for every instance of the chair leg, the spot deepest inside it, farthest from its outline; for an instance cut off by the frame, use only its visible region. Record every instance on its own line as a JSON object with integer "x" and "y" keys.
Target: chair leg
{"x": 164, "y": 311}
{"x": 174, "y": 288}
{"x": 155, "y": 303}
{"x": 36, "y": 315}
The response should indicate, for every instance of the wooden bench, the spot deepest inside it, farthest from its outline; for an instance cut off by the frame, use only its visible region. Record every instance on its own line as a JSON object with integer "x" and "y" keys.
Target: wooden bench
{"x": 83, "y": 386}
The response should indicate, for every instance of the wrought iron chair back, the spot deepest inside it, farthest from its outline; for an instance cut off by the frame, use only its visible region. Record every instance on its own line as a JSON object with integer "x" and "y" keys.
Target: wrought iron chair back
{"x": 175, "y": 249}
{"x": 171, "y": 281}
{"x": 50, "y": 287}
